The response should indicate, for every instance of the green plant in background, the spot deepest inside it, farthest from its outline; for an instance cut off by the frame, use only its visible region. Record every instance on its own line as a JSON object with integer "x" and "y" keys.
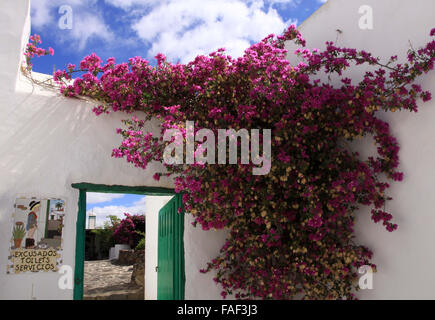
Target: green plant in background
{"x": 114, "y": 222}
{"x": 141, "y": 244}
{"x": 104, "y": 236}
{"x": 105, "y": 239}
{"x": 19, "y": 232}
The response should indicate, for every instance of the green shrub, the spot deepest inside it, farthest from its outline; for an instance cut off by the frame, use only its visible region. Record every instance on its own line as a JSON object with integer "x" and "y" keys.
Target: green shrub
{"x": 141, "y": 243}
{"x": 104, "y": 236}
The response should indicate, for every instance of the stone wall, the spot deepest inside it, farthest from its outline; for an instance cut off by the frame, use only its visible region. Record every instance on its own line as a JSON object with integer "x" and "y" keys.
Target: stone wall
{"x": 138, "y": 275}
{"x": 137, "y": 259}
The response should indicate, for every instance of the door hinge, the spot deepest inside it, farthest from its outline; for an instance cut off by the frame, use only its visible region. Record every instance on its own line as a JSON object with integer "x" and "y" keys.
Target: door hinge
{"x": 157, "y": 268}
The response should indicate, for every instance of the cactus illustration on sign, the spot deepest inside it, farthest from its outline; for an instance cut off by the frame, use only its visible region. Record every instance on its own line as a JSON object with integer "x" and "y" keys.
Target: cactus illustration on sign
{"x": 18, "y": 234}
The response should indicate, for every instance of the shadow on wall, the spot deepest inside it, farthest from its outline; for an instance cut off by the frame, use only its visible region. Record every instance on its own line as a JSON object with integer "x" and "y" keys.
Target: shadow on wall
{"x": 40, "y": 133}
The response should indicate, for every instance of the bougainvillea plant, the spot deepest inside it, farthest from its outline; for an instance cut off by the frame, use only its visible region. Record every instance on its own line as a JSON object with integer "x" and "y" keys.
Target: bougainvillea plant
{"x": 127, "y": 230}
{"x": 33, "y": 50}
{"x": 291, "y": 231}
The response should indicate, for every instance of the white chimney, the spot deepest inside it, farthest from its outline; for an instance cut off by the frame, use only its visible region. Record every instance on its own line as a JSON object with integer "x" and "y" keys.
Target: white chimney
{"x": 92, "y": 219}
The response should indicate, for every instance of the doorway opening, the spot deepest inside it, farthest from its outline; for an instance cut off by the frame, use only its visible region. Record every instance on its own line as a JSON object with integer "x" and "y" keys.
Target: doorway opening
{"x": 106, "y": 248}
{"x": 114, "y": 246}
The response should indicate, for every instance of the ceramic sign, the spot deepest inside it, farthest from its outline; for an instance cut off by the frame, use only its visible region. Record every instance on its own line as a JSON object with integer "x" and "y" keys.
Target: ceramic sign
{"x": 36, "y": 240}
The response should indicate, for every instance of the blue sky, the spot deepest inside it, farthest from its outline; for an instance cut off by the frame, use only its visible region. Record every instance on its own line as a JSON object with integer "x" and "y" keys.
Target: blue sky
{"x": 180, "y": 29}
{"x": 104, "y": 204}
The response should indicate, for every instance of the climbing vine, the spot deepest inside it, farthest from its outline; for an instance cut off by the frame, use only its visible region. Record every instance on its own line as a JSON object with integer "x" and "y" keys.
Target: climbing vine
{"x": 291, "y": 231}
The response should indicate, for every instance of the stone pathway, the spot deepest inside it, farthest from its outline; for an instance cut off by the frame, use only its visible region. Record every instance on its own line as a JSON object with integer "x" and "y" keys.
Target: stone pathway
{"x": 107, "y": 281}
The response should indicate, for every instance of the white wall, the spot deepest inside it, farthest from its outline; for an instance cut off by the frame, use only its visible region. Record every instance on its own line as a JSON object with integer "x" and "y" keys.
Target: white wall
{"x": 49, "y": 142}
{"x": 153, "y": 205}
{"x": 199, "y": 248}
{"x": 405, "y": 258}
{"x": 14, "y": 29}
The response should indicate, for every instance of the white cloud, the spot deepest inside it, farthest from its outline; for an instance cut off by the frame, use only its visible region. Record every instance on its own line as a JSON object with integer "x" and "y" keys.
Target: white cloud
{"x": 44, "y": 11}
{"x": 179, "y": 29}
{"x": 127, "y": 4}
{"x": 184, "y": 29}
{"x": 96, "y": 197}
{"x": 284, "y": 2}
{"x": 138, "y": 207}
{"x": 87, "y": 26}
{"x": 41, "y": 13}
{"x": 87, "y": 21}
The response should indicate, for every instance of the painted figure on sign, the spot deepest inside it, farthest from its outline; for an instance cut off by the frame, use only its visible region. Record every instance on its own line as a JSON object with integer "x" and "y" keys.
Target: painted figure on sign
{"x": 32, "y": 223}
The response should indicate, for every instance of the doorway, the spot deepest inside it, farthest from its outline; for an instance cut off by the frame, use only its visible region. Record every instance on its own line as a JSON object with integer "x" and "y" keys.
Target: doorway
{"x": 170, "y": 268}
{"x": 115, "y": 246}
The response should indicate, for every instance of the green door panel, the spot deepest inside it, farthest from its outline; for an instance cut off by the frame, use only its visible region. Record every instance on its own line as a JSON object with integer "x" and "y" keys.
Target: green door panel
{"x": 171, "y": 276}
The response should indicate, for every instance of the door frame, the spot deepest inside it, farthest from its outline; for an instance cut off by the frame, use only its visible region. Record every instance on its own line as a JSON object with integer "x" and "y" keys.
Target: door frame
{"x": 83, "y": 188}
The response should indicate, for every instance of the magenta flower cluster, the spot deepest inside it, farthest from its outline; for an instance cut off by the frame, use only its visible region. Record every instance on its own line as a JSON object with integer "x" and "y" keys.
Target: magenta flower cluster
{"x": 125, "y": 232}
{"x": 33, "y": 50}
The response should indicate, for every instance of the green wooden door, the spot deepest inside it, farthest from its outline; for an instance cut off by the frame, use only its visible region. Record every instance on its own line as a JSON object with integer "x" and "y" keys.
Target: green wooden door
{"x": 170, "y": 276}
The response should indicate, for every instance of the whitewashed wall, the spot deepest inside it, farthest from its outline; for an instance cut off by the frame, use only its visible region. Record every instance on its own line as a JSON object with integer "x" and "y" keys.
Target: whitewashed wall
{"x": 405, "y": 258}
{"x": 200, "y": 247}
